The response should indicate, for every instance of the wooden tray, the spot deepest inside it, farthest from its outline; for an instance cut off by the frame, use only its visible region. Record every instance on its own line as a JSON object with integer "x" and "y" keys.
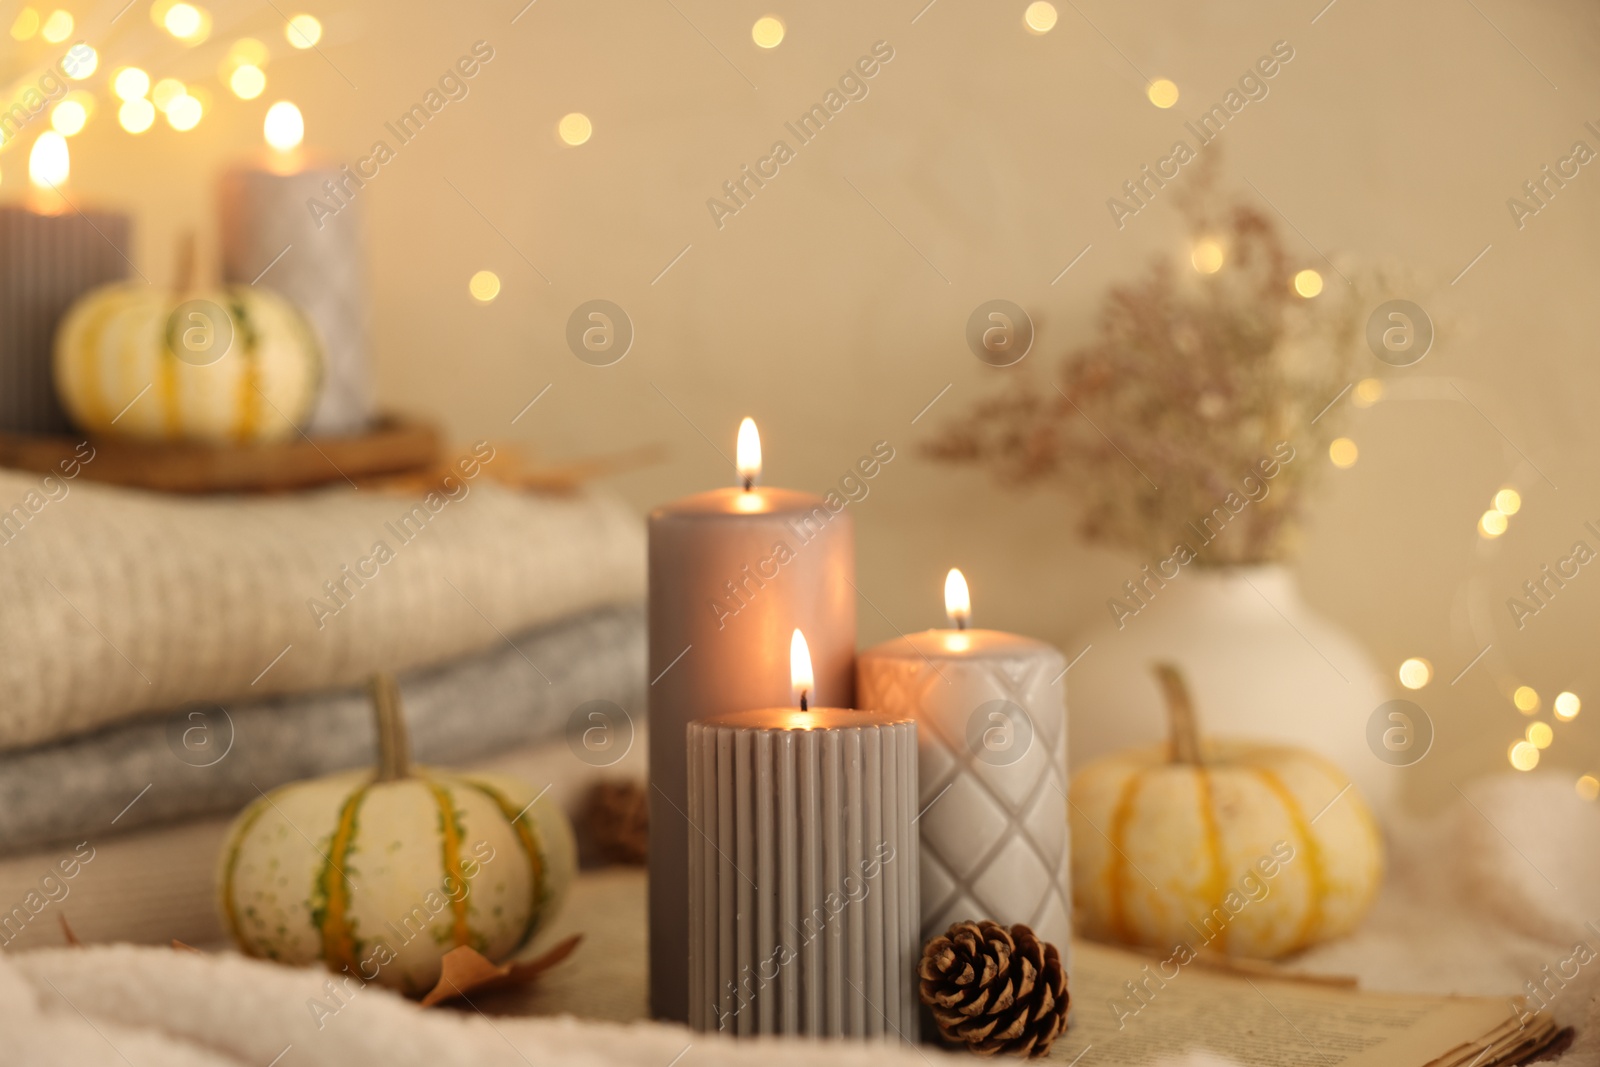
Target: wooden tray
{"x": 395, "y": 444}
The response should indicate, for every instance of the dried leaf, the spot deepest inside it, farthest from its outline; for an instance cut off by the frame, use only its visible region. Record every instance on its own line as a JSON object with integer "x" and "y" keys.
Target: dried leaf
{"x": 466, "y": 970}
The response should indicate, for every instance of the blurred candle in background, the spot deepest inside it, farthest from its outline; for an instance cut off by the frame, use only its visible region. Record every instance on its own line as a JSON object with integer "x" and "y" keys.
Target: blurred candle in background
{"x": 297, "y": 229}
{"x": 733, "y": 572}
{"x": 51, "y": 253}
{"x": 992, "y": 757}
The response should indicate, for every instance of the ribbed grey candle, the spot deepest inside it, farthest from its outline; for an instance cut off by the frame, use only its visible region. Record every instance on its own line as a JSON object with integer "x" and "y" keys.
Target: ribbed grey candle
{"x": 803, "y": 908}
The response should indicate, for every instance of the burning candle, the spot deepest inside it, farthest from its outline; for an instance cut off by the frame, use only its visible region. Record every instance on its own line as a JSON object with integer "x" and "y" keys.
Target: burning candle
{"x": 992, "y": 757}
{"x": 732, "y": 573}
{"x": 51, "y": 252}
{"x": 802, "y": 857}
{"x": 296, "y": 229}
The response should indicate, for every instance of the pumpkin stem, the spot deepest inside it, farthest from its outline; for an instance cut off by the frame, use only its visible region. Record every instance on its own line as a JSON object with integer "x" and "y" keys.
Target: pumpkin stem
{"x": 394, "y": 744}
{"x": 184, "y": 269}
{"x": 1180, "y": 714}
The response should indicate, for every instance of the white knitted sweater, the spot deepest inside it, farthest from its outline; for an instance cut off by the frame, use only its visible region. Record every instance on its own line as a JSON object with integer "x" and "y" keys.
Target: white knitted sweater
{"x": 114, "y": 602}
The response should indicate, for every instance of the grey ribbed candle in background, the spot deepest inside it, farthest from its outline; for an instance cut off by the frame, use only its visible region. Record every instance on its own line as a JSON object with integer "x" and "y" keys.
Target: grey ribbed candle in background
{"x": 322, "y": 271}
{"x": 803, "y": 905}
{"x": 46, "y": 263}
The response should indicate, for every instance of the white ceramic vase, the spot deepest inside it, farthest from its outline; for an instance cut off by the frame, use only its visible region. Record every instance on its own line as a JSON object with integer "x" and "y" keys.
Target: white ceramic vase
{"x": 1260, "y": 663}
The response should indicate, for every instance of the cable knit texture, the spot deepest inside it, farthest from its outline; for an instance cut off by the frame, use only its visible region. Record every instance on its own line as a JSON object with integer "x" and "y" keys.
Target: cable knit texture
{"x": 118, "y": 602}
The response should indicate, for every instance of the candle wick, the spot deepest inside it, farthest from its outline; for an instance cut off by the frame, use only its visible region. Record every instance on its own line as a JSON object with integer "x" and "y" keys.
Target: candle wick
{"x": 802, "y": 700}
{"x": 749, "y": 482}
{"x": 961, "y": 622}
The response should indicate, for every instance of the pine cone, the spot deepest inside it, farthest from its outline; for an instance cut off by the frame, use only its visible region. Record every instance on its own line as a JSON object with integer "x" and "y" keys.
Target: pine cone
{"x": 616, "y": 819}
{"x": 993, "y": 990}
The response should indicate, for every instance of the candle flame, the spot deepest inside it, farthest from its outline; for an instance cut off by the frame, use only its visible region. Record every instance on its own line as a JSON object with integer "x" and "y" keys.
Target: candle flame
{"x": 50, "y": 162}
{"x": 800, "y": 679}
{"x": 749, "y": 453}
{"x": 957, "y": 600}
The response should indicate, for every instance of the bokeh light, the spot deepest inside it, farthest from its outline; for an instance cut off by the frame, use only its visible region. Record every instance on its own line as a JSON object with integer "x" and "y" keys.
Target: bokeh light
{"x": 1040, "y": 17}
{"x": 1526, "y": 698}
{"x": 1567, "y": 705}
{"x": 1540, "y": 734}
{"x": 1207, "y": 255}
{"x": 1343, "y": 452}
{"x": 1415, "y": 673}
{"x": 284, "y": 127}
{"x": 184, "y": 112}
{"x": 56, "y": 28}
{"x": 68, "y": 117}
{"x": 247, "y": 82}
{"x": 767, "y": 31}
{"x": 1162, "y": 93}
{"x": 303, "y": 31}
{"x": 575, "y": 128}
{"x": 1368, "y": 392}
{"x": 1491, "y": 524}
{"x": 1588, "y": 786}
{"x": 136, "y": 115}
{"x": 49, "y": 161}
{"x": 166, "y": 91}
{"x": 25, "y": 25}
{"x": 84, "y": 61}
{"x": 130, "y": 83}
{"x": 1308, "y": 283}
{"x": 484, "y": 286}
{"x": 1508, "y": 501}
{"x": 1524, "y": 755}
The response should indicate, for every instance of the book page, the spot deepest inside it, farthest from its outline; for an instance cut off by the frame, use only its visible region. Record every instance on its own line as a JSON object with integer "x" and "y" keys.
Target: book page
{"x": 1130, "y": 1010}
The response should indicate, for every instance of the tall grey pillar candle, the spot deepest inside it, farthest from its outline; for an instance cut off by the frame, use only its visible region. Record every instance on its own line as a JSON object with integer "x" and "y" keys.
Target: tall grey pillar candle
{"x": 47, "y": 261}
{"x": 316, "y": 259}
{"x": 732, "y": 574}
{"x": 803, "y": 874}
{"x": 992, "y": 754}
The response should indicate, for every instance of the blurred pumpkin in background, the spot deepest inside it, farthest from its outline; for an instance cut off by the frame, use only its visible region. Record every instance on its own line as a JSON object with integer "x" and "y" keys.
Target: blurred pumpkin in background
{"x": 379, "y": 875}
{"x": 232, "y": 365}
{"x": 1241, "y": 848}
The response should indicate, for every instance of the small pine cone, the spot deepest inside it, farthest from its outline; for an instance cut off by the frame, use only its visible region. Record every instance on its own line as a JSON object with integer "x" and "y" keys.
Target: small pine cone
{"x": 994, "y": 990}
{"x": 617, "y": 821}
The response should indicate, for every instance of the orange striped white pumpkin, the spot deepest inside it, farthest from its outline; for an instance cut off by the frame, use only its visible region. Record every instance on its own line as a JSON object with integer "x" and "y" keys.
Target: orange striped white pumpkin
{"x": 380, "y": 875}
{"x": 1253, "y": 850}
{"x": 116, "y": 372}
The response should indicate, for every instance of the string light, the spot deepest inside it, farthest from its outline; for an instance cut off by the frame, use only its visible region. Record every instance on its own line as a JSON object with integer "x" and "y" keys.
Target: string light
{"x": 1526, "y": 698}
{"x": 1524, "y": 755}
{"x": 56, "y": 28}
{"x": 1567, "y": 706}
{"x": 247, "y": 82}
{"x": 1588, "y": 787}
{"x": 284, "y": 127}
{"x": 1308, "y": 283}
{"x": 767, "y": 32}
{"x": 1040, "y": 17}
{"x": 1491, "y": 524}
{"x": 484, "y": 286}
{"x": 1162, "y": 93}
{"x": 1415, "y": 673}
{"x": 130, "y": 83}
{"x": 1343, "y": 452}
{"x": 303, "y": 31}
{"x": 136, "y": 115}
{"x": 1508, "y": 501}
{"x": 575, "y": 128}
{"x": 1207, "y": 255}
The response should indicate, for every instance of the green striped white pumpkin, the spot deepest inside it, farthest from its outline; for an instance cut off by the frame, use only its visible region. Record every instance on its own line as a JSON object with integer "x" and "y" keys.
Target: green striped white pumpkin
{"x": 116, "y": 372}
{"x": 380, "y": 875}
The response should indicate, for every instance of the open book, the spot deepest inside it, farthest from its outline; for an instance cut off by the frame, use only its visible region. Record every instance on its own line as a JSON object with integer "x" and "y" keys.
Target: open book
{"x": 1129, "y": 1010}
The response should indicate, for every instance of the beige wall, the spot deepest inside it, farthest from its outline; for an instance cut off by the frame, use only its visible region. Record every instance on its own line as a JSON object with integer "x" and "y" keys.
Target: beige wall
{"x": 1396, "y": 133}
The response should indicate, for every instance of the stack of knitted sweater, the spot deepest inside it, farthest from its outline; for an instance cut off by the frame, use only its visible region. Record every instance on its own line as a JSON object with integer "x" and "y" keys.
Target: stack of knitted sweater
{"x": 163, "y": 660}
